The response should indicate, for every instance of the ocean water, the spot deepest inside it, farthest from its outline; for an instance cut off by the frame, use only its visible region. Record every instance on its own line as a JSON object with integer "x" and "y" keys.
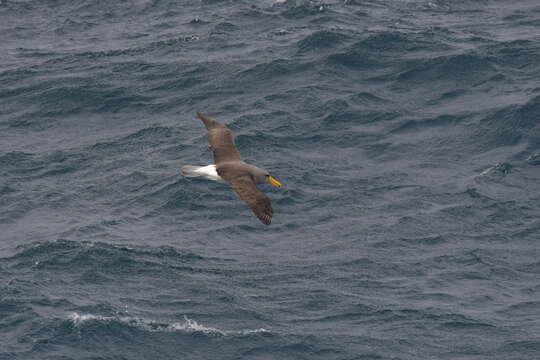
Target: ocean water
{"x": 406, "y": 134}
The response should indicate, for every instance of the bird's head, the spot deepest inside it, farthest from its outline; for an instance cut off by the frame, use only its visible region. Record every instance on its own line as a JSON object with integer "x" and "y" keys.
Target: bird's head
{"x": 262, "y": 176}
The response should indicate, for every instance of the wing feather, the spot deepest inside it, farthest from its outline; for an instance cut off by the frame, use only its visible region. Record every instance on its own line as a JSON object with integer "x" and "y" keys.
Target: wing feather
{"x": 221, "y": 140}
{"x": 250, "y": 193}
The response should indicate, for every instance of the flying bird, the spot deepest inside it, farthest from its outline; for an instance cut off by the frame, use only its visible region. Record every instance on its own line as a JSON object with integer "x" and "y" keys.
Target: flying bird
{"x": 229, "y": 167}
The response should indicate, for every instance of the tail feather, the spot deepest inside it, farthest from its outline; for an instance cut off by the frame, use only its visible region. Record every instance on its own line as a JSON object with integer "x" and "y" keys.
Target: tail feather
{"x": 208, "y": 171}
{"x": 191, "y": 171}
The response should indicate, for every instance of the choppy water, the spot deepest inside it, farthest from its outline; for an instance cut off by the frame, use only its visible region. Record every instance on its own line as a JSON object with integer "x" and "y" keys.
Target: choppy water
{"x": 406, "y": 134}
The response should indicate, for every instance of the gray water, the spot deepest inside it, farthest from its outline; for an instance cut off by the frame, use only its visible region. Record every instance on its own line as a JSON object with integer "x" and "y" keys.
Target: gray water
{"x": 406, "y": 135}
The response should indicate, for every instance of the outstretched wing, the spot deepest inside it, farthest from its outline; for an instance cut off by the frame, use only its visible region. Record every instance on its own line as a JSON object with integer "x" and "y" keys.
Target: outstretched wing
{"x": 221, "y": 140}
{"x": 250, "y": 193}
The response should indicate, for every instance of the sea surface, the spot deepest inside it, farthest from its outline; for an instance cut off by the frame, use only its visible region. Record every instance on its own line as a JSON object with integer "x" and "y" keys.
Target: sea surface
{"x": 406, "y": 134}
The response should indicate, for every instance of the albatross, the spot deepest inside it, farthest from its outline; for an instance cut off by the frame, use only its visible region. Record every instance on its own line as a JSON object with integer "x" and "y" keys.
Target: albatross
{"x": 229, "y": 167}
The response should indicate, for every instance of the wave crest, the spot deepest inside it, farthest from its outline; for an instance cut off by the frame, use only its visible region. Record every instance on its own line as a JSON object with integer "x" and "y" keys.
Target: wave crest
{"x": 188, "y": 325}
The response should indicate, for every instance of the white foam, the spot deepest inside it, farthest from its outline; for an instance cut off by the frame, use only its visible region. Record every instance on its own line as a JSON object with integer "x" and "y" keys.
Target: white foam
{"x": 78, "y": 318}
{"x": 188, "y": 325}
{"x": 502, "y": 167}
{"x": 192, "y": 325}
{"x": 487, "y": 171}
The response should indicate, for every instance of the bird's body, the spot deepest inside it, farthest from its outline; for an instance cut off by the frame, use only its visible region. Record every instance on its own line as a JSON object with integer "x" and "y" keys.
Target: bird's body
{"x": 229, "y": 167}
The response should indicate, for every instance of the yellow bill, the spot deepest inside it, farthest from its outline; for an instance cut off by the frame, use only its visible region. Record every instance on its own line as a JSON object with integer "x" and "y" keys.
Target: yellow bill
{"x": 274, "y": 182}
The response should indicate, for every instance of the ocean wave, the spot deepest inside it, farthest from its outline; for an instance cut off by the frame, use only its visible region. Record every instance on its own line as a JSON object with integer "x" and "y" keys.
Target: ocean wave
{"x": 510, "y": 125}
{"x": 416, "y": 126}
{"x": 377, "y": 50}
{"x": 99, "y": 256}
{"x": 274, "y": 69}
{"x": 300, "y": 9}
{"x": 534, "y": 159}
{"x": 500, "y": 168}
{"x": 150, "y": 136}
{"x": 188, "y": 325}
{"x": 321, "y": 39}
{"x": 467, "y": 69}
{"x": 401, "y": 42}
{"x": 405, "y": 132}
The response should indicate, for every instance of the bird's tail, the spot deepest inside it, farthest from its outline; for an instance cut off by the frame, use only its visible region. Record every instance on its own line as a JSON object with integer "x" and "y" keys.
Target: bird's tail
{"x": 208, "y": 171}
{"x": 191, "y": 171}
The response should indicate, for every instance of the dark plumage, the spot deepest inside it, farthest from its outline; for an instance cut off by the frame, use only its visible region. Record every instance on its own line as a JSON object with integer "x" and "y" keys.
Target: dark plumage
{"x": 242, "y": 177}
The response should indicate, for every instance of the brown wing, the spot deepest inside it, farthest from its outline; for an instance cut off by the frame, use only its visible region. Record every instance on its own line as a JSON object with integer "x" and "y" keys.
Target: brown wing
{"x": 250, "y": 193}
{"x": 221, "y": 140}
